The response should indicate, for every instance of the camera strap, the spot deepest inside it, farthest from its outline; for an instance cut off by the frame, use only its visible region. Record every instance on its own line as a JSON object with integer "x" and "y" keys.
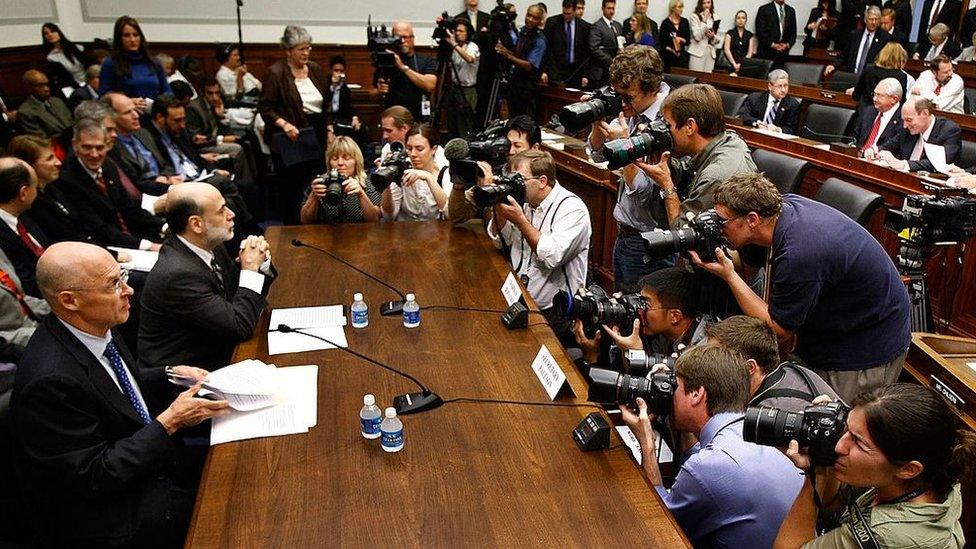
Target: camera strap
{"x": 860, "y": 528}
{"x": 768, "y": 388}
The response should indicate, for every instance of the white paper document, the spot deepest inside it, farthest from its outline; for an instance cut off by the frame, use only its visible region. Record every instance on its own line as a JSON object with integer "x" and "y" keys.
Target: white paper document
{"x": 294, "y": 411}
{"x": 142, "y": 260}
{"x": 664, "y": 454}
{"x": 936, "y": 155}
{"x": 780, "y": 135}
{"x": 325, "y": 321}
{"x": 149, "y": 203}
{"x": 204, "y": 175}
{"x": 550, "y": 136}
{"x": 308, "y": 317}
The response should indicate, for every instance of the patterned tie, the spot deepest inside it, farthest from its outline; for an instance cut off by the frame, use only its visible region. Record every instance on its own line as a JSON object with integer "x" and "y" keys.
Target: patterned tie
{"x": 28, "y": 241}
{"x": 103, "y": 188}
{"x": 935, "y": 13}
{"x": 782, "y": 20}
{"x": 219, "y": 273}
{"x": 115, "y": 359}
{"x": 771, "y": 115}
{"x": 919, "y": 149}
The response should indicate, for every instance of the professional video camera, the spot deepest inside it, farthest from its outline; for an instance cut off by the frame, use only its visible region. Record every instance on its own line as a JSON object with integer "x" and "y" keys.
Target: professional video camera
{"x": 333, "y": 187}
{"x": 490, "y": 145}
{"x": 442, "y": 26}
{"x": 603, "y": 103}
{"x": 609, "y": 387}
{"x": 656, "y": 138}
{"x": 818, "y": 427}
{"x": 512, "y": 184}
{"x": 500, "y": 21}
{"x": 703, "y": 234}
{"x": 594, "y": 307}
{"x": 945, "y": 217}
{"x": 391, "y": 170}
{"x": 378, "y": 41}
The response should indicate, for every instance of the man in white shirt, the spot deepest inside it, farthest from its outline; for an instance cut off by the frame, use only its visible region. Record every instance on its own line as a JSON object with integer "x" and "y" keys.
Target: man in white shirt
{"x": 548, "y": 236}
{"x": 941, "y": 85}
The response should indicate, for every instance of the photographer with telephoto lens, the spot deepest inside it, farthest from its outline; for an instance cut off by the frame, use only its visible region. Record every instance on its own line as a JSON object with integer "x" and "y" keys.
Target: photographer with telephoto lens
{"x": 895, "y": 481}
{"x": 343, "y": 194}
{"x": 728, "y": 492}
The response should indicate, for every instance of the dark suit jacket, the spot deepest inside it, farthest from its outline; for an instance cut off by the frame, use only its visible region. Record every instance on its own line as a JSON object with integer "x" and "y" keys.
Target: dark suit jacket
{"x": 92, "y": 472}
{"x": 768, "y": 31}
{"x": 57, "y": 216}
{"x": 22, "y": 258}
{"x": 99, "y": 213}
{"x": 135, "y": 167}
{"x": 186, "y": 319}
{"x": 280, "y": 98}
{"x": 968, "y": 27}
{"x": 945, "y": 133}
{"x": 901, "y": 38}
{"x": 951, "y": 49}
{"x": 153, "y": 140}
{"x": 36, "y": 120}
{"x": 949, "y": 14}
{"x": 903, "y": 18}
{"x": 603, "y": 47}
{"x": 753, "y": 110}
{"x": 81, "y": 94}
{"x": 200, "y": 119}
{"x": 345, "y": 113}
{"x": 848, "y": 56}
{"x": 481, "y": 23}
{"x": 865, "y": 121}
{"x": 870, "y": 76}
{"x": 555, "y": 62}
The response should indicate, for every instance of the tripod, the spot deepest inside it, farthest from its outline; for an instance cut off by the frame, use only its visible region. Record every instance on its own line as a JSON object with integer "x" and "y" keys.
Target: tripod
{"x": 911, "y": 261}
{"x": 443, "y": 62}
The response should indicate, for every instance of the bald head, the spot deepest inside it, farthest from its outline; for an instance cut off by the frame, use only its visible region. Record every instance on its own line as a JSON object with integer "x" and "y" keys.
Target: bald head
{"x": 84, "y": 286}
{"x": 17, "y": 178}
{"x": 404, "y": 30}
{"x": 67, "y": 265}
{"x": 38, "y": 84}
{"x": 199, "y": 213}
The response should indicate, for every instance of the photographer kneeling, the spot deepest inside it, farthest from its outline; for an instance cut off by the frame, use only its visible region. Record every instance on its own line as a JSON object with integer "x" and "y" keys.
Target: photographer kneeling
{"x": 833, "y": 290}
{"x": 714, "y": 496}
{"x": 896, "y": 478}
{"x": 344, "y": 195}
{"x": 422, "y": 192}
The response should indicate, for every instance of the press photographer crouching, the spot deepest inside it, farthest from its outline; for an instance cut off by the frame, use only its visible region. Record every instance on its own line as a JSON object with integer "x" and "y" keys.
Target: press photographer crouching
{"x": 714, "y": 496}
{"x": 416, "y": 191}
{"x": 342, "y": 194}
{"x": 895, "y": 481}
{"x": 547, "y": 231}
{"x": 834, "y": 293}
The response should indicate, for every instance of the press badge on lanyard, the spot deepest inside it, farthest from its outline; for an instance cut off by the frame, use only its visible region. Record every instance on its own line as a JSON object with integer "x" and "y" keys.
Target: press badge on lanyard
{"x": 425, "y": 106}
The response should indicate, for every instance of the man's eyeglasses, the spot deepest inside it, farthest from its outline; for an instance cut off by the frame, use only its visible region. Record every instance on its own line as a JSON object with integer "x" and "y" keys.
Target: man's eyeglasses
{"x": 725, "y": 221}
{"x": 117, "y": 287}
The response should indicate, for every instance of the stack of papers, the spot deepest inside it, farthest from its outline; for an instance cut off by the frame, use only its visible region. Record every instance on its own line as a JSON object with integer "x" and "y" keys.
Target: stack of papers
{"x": 290, "y": 409}
{"x": 326, "y": 322}
{"x": 142, "y": 260}
{"x": 246, "y": 385}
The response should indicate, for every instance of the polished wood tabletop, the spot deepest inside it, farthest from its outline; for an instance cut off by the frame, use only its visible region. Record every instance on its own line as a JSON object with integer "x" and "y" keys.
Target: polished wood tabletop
{"x": 496, "y": 475}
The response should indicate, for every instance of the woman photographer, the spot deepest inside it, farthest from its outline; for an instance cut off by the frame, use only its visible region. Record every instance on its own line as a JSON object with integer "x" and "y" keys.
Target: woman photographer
{"x": 359, "y": 201}
{"x": 422, "y": 193}
{"x": 896, "y": 477}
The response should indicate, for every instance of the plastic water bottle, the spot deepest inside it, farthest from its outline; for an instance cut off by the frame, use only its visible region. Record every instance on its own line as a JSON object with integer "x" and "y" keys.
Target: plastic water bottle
{"x": 411, "y": 312}
{"x": 360, "y": 312}
{"x": 392, "y": 431}
{"x": 370, "y": 418}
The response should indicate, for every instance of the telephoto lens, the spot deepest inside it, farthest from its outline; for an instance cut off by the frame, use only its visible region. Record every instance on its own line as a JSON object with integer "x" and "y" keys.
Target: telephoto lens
{"x": 603, "y": 103}
{"x": 656, "y": 138}
{"x": 818, "y": 428}
{"x": 610, "y": 387}
{"x": 512, "y": 184}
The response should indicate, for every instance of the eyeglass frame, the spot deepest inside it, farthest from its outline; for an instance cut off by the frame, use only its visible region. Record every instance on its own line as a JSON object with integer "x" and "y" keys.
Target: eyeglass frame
{"x": 123, "y": 279}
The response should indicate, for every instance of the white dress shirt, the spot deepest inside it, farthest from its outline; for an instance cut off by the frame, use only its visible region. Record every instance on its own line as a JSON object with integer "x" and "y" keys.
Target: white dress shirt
{"x": 311, "y": 96}
{"x": 951, "y": 95}
{"x": 252, "y": 280}
{"x": 96, "y": 345}
{"x": 559, "y": 259}
{"x": 11, "y": 221}
{"x": 467, "y": 73}
{"x": 416, "y": 202}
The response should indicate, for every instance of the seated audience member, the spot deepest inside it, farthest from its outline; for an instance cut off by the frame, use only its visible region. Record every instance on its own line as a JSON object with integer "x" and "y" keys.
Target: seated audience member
{"x": 359, "y": 200}
{"x": 939, "y": 43}
{"x": 209, "y": 135}
{"x": 967, "y": 53}
{"x": 107, "y": 211}
{"x": 173, "y": 73}
{"x": 134, "y": 150}
{"x": 772, "y": 110}
{"x": 671, "y": 318}
{"x": 87, "y": 92}
{"x": 941, "y": 85}
{"x": 198, "y": 303}
{"x": 413, "y": 83}
{"x": 787, "y": 385}
{"x": 20, "y": 238}
{"x": 19, "y": 313}
{"x": 835, "y": 295}
{"x": 739, "y": 43}
{"x": 8, "y": 120}
{"x": 235, "y": 81}
{"x": 863, "y": 45}
{"x": 548, "y": 237}
{"x": 130, "y": 69}
{"x": 879, "y": 124}
{"x": 896, "y": 482}
{"x": 888, "y": 64}
{"x": 422, "y": 193}
{"x": 714, "y": 496}
{"x": 41, "y": 114}
{"x": 96, "y": 439}
{"x": 888, "y": 17}
{"x": 525, "y": 50}
{"x": 907, "y": 151}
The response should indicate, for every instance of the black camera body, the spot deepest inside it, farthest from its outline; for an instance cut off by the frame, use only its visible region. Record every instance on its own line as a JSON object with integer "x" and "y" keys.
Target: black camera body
{"x": 638, "y": 362}
{"x": 333, "y": 187}
{"x": 603, "y": 103}
{"x": 378, "y": 41}
{"x": 655, "y": 139}
{"x": 444, "y": 24}
{"x": 593, "y": 307}
{"x": 702, "y": 235}
{"x": 818, "y": 428}
{"x": 948, "y": 216}
{"x": 490, "y": 145}
{"x": 609, "y": 387}
{"x": 391, "y": 170}
{"x": 512, "y": 184}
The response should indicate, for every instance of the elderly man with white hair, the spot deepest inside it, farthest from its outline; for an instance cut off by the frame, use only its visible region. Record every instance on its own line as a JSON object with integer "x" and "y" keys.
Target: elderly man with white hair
{"x": 880, "y": 123}
{"x": 773, "y": 109}
{"x": 923, "y": 129}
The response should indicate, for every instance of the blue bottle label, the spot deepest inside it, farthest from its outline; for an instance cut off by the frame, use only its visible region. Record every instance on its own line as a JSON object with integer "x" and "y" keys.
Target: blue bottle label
{"x": 370, "y": 426}
{"x": 411, "y": 317}
{"x": 392, "y": 439}
{"x": 360, "y": 317}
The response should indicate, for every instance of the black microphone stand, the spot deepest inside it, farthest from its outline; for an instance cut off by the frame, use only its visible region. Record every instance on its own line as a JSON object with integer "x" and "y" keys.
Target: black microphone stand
{"x": 240, "y": 33}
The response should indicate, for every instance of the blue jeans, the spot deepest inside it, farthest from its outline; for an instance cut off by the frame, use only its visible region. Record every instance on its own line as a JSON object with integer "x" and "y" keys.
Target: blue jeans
{"x": 628, "y": 262}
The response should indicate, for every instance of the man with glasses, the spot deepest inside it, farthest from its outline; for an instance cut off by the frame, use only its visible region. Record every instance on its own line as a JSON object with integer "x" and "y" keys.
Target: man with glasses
{"x": 96, "y": 440}
{"x": 880, "y": 124}
{"x": 834, "y": 298}
{"x": 414, "y": 81}
{"x": 772, "y": 110}
{"x": 197, "y": 303}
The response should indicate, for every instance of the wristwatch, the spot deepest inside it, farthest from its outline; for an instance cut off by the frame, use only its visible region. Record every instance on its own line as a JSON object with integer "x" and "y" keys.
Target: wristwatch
{"x": 669, "y": 192}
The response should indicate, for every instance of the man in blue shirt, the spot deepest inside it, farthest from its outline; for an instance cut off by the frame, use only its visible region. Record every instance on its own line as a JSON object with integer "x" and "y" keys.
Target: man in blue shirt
{"x": 526, "y": 56}
{"x": 728, "y": 492}
{"x": 834, "y": 294}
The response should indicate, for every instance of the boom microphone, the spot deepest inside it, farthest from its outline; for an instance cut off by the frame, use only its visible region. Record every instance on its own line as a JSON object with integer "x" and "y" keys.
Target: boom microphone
{"x": 456, "y": 149}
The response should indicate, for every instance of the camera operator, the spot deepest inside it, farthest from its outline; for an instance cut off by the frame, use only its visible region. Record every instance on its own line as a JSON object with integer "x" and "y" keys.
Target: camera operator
{"x": 696, "y": 119}
{"x": 902, "y": 445}
{"x": 832, "y": 289}
{"x": 636, "y": 75}
{"x": 548, "y": 237}
{"x": 358, "y": 201}
{"x": 416, "y": 78}
{"x": 465, "y": 58}
{"x": 422, "y": 193}
{"x": 714, "y": 496}
{"x": 526, "y": 57}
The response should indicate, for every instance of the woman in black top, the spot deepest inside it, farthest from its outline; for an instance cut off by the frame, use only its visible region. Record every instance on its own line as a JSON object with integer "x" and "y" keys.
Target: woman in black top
{"x": 738, "y": 42}
{"x": 359, "y": 201}
{"x": 888, "y": 64}
{"x": 674, "y": 37}
{"x": 815, "y": 39}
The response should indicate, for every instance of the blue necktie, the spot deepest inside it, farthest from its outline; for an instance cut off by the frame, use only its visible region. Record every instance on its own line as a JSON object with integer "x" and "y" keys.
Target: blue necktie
{"x": 115, "y": 359}
{"x": 569, "y": 42}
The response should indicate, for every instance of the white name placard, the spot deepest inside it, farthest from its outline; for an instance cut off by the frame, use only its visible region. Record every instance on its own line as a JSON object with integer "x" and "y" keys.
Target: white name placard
{"x": 511, "y": 289}
{"x": 548, "y": 371}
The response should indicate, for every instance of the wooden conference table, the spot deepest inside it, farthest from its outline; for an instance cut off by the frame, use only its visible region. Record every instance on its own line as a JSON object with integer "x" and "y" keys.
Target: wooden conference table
{"x": 470, "y": 473}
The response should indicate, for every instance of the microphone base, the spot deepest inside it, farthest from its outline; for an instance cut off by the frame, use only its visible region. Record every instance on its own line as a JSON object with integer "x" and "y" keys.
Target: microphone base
{"x": 392, "y": 308}
{"x": 412, "y": 403}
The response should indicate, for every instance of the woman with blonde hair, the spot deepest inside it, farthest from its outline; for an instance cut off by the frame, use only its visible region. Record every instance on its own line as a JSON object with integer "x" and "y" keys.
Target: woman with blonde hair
{"x": 888, "y": 64}
{"x": 357, "y": 200}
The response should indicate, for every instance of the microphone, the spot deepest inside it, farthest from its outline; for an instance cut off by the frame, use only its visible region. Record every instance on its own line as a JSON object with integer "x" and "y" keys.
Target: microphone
{"x": 390, "y": 308}
{"x": 845, "y": 139}
{"x": 456, "y": 149}
{"x": 407, "y": 403}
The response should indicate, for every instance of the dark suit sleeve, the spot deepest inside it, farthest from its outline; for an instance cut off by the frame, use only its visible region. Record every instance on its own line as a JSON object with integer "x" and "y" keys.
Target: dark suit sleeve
{"x": 105, "y": 234}
{"x": 764, "y": 30}
{"x": 953, "y": 141}
{"x": 790, "y": 31}
{"x": 196, "y": 302}
{"x": 856, "y": 132}
{"x": 195, "y": 124}
{"x": 747, "y": 112}
{"x": 791, "y": 116}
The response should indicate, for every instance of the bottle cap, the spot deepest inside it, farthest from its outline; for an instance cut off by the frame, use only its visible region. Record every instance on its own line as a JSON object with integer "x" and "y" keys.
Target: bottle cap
{"x": 369, "y": 400}
{"x": 357, "y": 296}
{"x": 410, "y": 297}
{"x": 391, "y": 412}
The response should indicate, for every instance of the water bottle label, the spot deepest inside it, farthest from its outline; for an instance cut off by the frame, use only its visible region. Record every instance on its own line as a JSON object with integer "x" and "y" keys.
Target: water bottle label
{"x": 411, "y": 317}
{"x": 370, "y": 426}
{"x": 392, "y": 439}
{"x": 360, "y": 317}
